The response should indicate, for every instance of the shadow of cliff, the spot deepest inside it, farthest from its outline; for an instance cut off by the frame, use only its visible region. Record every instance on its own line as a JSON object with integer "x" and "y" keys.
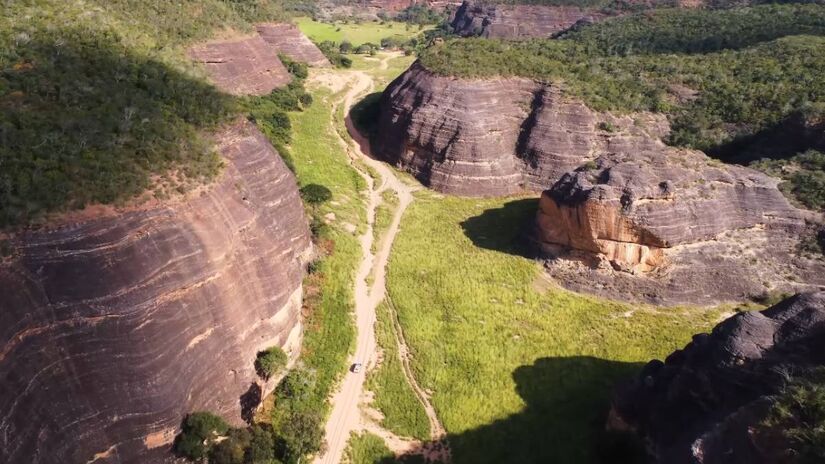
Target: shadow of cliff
{"x": 86, "y": 119}
{"x": 506, "y": 229}
{"x": 563, "y": 421}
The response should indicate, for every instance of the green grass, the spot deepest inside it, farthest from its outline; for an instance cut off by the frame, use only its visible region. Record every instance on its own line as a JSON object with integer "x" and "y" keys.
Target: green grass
{"x": 329, "y": 330}
{"x": 355, "y": 33}
{"x": 366, "y": 448}
{"x": 394, "y": 397}
{"x": 519, "y": 372}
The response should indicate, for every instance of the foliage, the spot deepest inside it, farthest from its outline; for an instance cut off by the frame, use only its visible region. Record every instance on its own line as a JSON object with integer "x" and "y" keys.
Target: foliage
{"x": 367, "y": 448}
{"x": 198, "y": 432}
{"x": 740, "y": 92}
{"x": 232, "y": 449}
{"x": 403, "y": 413}
{"x": 804, "y": 176}
{"x": 519, "y": 370}
{"x": 270, "y": 362}
{"x": 334, "y": 54}
{"x": 799, "y": 415}
{"x": 420, "y": 14}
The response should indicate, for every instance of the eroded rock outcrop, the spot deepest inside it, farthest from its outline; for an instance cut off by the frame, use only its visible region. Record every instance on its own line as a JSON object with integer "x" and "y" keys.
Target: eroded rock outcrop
{"x": 289, "y": 40}
{"x": 242, "y": 67}
{"x": 705, "y": 402}
{"x": 115, "y": 327}
{"x": 498, "y": 136}
{"x": 517, "y": 21}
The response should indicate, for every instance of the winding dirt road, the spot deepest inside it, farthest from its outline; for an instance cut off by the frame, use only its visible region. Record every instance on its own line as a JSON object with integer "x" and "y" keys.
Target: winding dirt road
{"x": 346, "y": 416}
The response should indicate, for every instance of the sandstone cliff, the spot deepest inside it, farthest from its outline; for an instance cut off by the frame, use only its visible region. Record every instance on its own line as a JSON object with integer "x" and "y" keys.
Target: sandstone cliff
{"x": 497, "y": 136}
{"x": 242, "y": 67}
{"x": 702, "y": 405}
{"x": 115, "y": 327}
{"x": 289, "y": 40}
{"x": 517, "y": 21}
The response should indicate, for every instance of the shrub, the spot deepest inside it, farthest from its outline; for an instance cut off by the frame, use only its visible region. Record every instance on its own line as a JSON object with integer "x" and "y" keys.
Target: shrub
{"x": 198, "y": 432}
{"x": 270, "y": 362}
{"x": 316, "y": 194}
{"x": 798, "y": 414}
{"x": 231, "y": 450}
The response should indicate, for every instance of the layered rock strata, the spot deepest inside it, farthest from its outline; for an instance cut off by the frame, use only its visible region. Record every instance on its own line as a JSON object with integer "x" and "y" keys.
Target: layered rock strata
{"x": 705, "y": 403}
{"x": 242, "y": 67}
{"x": 115, "y": 327}
{"x": 498, "y": 136}
{"x": 288, "y": 39}
{"x": 517, "y": 21}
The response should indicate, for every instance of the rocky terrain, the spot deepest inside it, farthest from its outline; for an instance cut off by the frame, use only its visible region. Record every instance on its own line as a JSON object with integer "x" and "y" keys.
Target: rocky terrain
{"x": 288, "y": 39}
{"x": 517, "y": 21}
{"x": 113, "y": 327}
{"x": 247, "y": 66}
{"x": 704, "y": 403}
{"x": 497, "y": 136}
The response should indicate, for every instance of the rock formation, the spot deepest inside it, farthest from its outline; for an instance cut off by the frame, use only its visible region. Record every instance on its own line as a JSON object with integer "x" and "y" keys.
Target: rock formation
{"x": 115, "y": 327}
{"x": 498, "y": 136}
{"x": 289, "y": 40}
{"x": 704, "y": 403}
{"x": 517, "y": 21}
{"x": 242, "y": 67}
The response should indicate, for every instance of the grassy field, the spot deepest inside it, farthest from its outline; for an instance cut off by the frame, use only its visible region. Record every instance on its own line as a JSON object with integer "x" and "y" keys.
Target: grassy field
{"x": 357, "y": 34}
{"x": 367, "y": 448}
{"x": 403, "y": 413}
{"x": 520, "y": 370}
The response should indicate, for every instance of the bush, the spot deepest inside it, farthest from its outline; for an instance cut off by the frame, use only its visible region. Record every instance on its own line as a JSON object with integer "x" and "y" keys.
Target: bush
{"x": 316, "y": 194}
{"x": 798, "y": 415}
{"x": 198, "y": 432}
{"x": 231, "y": 450}
{"x": 270, "y": 362}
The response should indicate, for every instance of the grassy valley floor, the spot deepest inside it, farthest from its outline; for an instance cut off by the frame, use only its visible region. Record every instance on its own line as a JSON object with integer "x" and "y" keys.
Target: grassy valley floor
{"x": 518, "y": 369}
{"x": 358, "y": 33}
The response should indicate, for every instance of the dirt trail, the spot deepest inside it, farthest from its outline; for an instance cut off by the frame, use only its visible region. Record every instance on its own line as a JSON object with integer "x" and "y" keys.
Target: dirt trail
{"x": 346, "y": 416}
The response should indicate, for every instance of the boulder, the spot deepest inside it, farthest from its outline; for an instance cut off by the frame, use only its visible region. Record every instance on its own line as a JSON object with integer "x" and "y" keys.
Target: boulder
{"x": 114, "y": 327}
{"x": 247, "y": 66}
{"x": 704, "y": 403}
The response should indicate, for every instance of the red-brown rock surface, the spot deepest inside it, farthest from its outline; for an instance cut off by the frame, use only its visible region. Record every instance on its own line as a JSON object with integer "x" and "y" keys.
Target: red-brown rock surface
{"x": 242, "y": 67}
{"x": 289, "y": 40}
{"x": 114, "y": 328}
{"x": 497, "y": 136}
{"x": 517, "y": 21}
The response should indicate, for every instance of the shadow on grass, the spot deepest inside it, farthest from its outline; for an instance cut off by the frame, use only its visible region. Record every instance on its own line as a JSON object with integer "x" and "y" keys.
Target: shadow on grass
{"x": 504, "y": 229}
{"x": 563, "y": 421}
{"x": 365, "y": 114}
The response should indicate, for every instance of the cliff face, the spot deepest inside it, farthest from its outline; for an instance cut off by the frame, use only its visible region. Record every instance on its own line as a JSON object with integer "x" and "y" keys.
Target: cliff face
{"x": 288, "y": 39}
{"x": 497, "y": 137}
{"x": 242, "y": 67}
{"x": 517, "y": 21}
{"x": 702, "y": 404}
{"x": 113, "y": 328}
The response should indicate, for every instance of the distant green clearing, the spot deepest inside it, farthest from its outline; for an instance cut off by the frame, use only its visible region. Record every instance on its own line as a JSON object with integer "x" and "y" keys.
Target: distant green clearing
{"x": 357, "y": 34}
{"x": 520, "y": 371}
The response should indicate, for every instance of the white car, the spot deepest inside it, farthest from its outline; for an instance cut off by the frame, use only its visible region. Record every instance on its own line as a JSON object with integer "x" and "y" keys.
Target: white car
{"x": 356, "y": 368}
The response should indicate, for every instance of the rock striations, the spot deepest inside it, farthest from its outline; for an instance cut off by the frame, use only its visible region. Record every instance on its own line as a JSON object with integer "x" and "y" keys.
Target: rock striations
{"x": 517, "y": 21}
{"x": 113, "y": 328}
{"x": 242, "y": 67}
{"x": 497, "y": 136}
{"x": 705, "y": 402}
{"x": 288, "y": 39}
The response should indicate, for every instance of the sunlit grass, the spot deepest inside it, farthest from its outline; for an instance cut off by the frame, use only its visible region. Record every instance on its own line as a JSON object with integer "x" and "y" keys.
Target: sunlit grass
{"x": 357, "y": 33}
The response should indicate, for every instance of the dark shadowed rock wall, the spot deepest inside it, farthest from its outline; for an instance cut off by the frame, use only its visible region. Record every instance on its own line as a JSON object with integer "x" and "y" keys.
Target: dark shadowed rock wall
{"x": 115, "y": 327}
{"x": 702, "y": 404}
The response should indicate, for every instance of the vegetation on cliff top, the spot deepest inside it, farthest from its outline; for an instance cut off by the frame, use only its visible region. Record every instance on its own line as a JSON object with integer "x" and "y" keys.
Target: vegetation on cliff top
{"x": 99, "y": 103}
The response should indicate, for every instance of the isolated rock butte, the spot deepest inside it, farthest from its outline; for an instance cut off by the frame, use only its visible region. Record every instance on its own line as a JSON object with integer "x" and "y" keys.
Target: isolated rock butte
{"x": 629, "y": 207}
{"x": 289, "y": 40}
{"x": 702, "y": 404}
{"x": 486, "y": 137}
{"x": 517, "y": 21}
{"x": 247, "y": 66}
{"x": 112, "y": 330}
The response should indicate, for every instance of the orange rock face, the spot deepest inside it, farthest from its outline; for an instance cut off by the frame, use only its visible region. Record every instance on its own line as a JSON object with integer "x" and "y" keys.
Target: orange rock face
{"x": 242, "y": 67}
{"x": 112, "y": 329}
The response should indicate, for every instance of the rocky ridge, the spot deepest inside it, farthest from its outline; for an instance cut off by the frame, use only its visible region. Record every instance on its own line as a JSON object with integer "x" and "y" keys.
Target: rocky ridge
{"x": 518, "y": 21}
{"x": 704, "y": 403}
{"x": 288, "y": 39}
{"x": 115, "y": 327}
{"x": 248, "y": 66}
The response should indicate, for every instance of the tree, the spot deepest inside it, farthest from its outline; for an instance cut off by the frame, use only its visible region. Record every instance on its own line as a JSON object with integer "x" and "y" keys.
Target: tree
{"x": 345, "y": 47}
{"x": 198, "y": 432}
{"x": 232, "y": 450}
{"x": 302, "y": 433}
{"x": 270, "y": 362}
